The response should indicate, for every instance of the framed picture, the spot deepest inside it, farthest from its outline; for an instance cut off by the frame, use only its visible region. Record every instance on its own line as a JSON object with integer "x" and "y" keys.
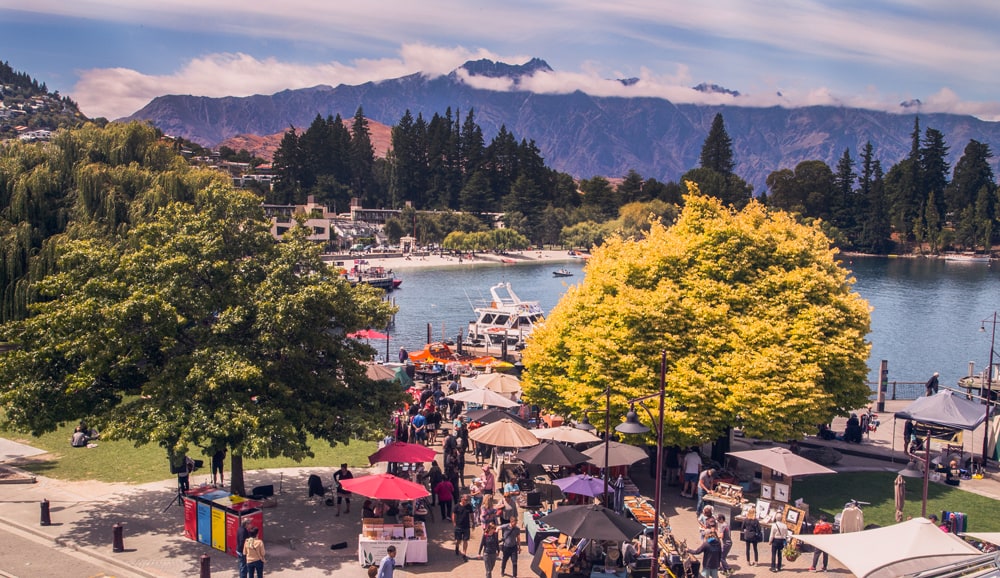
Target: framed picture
{"x": 794, "y": 516}
{"x": 745, "y": 508}
{"x": 781, "y": 492}
{"x": 762, "y": 509}
{"x": 765, "y": 491}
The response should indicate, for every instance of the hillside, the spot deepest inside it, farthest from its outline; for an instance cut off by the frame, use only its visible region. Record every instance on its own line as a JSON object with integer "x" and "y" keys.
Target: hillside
{"x": 577, "y": 133}
{"x": 27, "y": 105}
{"x": 263, "y": 146}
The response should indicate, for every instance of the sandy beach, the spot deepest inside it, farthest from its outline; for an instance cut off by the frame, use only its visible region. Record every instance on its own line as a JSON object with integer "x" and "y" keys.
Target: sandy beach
{"x": 435, "y": 261}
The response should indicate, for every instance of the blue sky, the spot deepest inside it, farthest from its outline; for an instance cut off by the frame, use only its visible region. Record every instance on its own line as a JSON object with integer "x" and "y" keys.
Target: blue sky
{"x": 114, "y": 56}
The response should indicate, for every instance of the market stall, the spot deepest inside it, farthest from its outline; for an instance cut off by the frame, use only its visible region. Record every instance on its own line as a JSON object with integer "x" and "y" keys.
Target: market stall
{"x": 409, "y": 538}
{"x": 536, "y": 531}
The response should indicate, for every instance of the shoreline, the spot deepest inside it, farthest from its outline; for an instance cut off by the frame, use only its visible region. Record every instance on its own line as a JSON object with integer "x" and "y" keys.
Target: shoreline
{"x": 437, "y": 261}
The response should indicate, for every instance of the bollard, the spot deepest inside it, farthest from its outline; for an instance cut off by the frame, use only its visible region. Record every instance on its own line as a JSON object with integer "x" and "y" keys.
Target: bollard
{"x": 206, "y": 566}
{"x": 46, "y": 520}
{"x": 117, "y": 542}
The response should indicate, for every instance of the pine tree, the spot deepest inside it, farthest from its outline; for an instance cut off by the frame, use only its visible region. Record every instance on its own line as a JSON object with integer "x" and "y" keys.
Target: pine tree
{"x": 717, "y": 150}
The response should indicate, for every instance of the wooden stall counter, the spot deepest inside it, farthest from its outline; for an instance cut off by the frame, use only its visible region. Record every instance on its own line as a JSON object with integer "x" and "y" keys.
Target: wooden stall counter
{"x": 554, "y": 561}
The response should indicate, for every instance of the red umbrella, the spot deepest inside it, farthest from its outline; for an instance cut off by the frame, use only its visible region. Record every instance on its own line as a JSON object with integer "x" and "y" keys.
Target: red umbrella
{"x": 368, "y": 334}
{"x": 385, "y": 487}
{"x": 402, "y": 452}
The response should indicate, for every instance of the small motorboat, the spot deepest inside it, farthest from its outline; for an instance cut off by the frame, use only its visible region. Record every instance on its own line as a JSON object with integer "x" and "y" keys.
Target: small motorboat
{"x": 562, "y": 273}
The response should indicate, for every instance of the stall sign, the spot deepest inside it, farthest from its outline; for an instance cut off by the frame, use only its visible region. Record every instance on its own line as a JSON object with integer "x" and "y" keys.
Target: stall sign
{"x": 372, "y": 551}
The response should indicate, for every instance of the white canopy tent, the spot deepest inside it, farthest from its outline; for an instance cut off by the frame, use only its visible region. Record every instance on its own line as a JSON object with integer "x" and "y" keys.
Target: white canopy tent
{"x": 896, "y": 550}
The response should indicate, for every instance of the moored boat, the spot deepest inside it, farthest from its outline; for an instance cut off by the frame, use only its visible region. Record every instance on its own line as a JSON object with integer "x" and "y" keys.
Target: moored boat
{"x": 562, "y": 273}
{"x": 379, "y": 277}
{"x": 505, "y": 317}
{"x": 967, "y": 257}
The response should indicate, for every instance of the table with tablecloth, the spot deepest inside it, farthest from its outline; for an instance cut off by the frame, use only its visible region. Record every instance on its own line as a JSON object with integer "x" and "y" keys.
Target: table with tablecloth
{"x": 642, "y": 511}
{"x": 535, "y": 532}
{"x": 375, "y": 538}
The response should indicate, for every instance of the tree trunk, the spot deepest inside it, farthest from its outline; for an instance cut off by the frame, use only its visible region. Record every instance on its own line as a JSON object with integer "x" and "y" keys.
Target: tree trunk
{"x": 236, "y": 484}
{"x": 720, "y": 447}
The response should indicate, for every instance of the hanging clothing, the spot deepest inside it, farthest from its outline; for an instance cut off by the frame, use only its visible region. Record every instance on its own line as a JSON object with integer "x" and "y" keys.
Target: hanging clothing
{"x": 852, "y": 520}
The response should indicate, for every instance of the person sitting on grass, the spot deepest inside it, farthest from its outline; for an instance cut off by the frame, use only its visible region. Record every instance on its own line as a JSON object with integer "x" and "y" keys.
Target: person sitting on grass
{"x": 79, "y": 439}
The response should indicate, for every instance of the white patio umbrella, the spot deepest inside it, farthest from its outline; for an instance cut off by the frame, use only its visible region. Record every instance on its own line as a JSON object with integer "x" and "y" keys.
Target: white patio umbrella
{"x": 483, "y": 397}
{"x": 783, "y": 461}
{"x": 498, "y": 382}
{"x": 565, "y": 433}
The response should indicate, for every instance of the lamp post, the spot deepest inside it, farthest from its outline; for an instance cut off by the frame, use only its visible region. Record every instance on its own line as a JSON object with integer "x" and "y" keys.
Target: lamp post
{"x": 989, "y": 383}
{"x": 911, "y": 472}
{"x": 585, "y": 425}
{"x": 632, "y": 425}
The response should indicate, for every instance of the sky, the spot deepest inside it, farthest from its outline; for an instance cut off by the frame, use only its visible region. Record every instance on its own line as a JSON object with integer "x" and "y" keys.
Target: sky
{"x": 113, "y": 56}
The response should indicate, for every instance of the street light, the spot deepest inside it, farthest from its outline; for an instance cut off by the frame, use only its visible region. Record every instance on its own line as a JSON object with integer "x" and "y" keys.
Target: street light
{"x": 989, "y": 383}
{"x": 585, "y": 425}
{"x": 632, "y": 425}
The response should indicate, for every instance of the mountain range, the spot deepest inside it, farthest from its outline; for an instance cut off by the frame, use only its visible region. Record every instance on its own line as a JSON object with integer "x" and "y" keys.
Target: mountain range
{"x": 578, "y": 133}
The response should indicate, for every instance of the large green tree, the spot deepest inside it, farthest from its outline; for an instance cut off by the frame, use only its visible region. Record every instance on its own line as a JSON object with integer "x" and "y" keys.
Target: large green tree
{"x": 759, "y": 323}
{"x": 196, "y": 329}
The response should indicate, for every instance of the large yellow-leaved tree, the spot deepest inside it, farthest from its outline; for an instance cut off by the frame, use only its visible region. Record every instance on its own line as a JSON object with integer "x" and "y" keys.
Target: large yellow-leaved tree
{"x": 760, "y": 326}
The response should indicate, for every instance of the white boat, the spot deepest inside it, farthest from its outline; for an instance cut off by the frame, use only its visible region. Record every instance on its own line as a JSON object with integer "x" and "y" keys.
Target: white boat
{"x": 967, "y": 257}
{"x": 504, "y": 317}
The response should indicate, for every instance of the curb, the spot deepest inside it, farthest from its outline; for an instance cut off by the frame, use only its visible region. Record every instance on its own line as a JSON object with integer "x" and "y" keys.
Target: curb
{"x": 90, "y": 552}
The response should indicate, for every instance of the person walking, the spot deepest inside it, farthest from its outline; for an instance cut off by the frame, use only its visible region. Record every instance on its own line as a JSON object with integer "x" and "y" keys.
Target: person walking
{"x": 388, "y": 564}
{"x": 445, "y": 493}
{"x": 726, "y": 536}
{"x": 752, "y": 535}
{"x": 821, "y": 527}
{"x": 511, "y": 546}
{"x": 711, "y": 551}
{"x": 489, "y": 548}
{"x": 779, "y": 537}
{"x": 462, "y": 518}
{"x": 253, "y": 549}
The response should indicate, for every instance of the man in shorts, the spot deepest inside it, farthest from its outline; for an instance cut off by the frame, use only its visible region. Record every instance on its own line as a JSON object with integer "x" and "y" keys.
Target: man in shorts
{"x": 462, "y": 518}
{"x": 342, "y": 495}
{"x": 692, "y": 467}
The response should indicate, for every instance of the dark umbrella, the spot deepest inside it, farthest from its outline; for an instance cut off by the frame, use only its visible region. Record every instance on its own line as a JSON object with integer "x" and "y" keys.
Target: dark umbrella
{"x": 552, "y": 453}
{"x": 593, "y": 522}
{"x": 492, "y": 414}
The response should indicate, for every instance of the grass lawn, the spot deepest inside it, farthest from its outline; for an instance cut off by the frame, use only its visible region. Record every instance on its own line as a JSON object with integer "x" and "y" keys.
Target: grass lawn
{"x": 828, "y": 494}
{"x": 121, "y": 461}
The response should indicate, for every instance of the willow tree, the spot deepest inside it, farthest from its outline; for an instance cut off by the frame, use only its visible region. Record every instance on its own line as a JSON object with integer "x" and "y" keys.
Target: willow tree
{"x": 197, "y": 330}
{"x": 759, "y": 323}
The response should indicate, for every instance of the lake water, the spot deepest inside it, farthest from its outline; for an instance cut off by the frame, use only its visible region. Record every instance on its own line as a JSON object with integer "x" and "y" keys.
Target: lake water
{"x": 926, "y": 312}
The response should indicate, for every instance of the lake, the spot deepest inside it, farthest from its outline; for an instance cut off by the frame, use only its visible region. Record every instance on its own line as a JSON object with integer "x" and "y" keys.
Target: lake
{"x": 926, "y": 313}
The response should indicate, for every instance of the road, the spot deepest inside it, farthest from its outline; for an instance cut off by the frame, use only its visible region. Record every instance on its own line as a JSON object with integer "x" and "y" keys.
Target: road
{"x": 25, "y": 556}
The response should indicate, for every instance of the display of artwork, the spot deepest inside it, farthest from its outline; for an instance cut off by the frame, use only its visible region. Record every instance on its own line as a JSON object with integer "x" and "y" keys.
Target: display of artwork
{"x": 765, "y": 491}
{"x": 781, "y": 492}
{"x": 762, "y": 509}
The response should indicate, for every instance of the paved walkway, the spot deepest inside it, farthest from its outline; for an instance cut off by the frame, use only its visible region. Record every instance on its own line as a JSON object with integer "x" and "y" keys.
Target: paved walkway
{"x": 300, "y": 530}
